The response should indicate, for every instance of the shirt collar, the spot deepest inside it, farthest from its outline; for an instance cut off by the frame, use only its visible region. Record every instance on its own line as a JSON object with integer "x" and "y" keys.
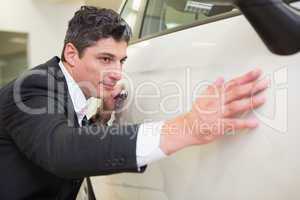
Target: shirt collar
{"x": 78, "y": 99}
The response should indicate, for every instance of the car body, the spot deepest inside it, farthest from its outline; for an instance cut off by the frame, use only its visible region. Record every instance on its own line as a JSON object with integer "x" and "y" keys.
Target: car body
{"x": 165, "y": 72}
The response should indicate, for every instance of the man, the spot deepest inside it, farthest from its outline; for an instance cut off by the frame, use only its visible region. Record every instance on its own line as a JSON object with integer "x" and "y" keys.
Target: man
{"x": 46, "y": 145}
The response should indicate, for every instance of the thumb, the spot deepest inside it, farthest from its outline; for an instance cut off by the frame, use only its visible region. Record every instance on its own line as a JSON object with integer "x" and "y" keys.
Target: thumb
{"x": 219, "y": 81}
{"x": 117, "y": 90}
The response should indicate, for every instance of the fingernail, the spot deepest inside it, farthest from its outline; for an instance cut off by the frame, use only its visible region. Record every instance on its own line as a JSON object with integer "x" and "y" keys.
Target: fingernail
{"x": 256, "y": 71}
{"x": 260, "y": 99}
{"x": 219, "y": 81}
{"x": 253, "y": 123}
{"x": 263, "y": 84}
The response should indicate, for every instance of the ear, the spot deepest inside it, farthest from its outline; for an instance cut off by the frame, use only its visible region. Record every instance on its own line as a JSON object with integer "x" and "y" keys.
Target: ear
{"x": 71, "y": 54}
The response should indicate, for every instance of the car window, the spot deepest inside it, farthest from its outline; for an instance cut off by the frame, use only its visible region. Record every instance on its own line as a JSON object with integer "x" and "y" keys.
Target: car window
{"x": 167, "y": 14}
{"x": 148, "y": 17}
{"x": 133, "y": 13}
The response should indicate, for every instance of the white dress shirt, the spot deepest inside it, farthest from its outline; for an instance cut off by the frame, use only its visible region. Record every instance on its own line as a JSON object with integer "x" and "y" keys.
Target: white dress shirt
{"x": 148, "y": 137}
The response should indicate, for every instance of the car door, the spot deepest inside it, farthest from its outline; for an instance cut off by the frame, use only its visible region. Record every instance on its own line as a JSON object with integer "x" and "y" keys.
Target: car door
{"x": 179, "y": 48}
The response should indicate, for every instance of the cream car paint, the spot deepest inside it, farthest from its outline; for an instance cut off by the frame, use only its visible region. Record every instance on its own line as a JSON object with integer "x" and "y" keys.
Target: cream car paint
{"x": 259, "y": 164}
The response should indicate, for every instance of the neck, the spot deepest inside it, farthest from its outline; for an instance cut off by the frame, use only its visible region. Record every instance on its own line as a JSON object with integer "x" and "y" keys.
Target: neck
{"x": 70, "y": 71}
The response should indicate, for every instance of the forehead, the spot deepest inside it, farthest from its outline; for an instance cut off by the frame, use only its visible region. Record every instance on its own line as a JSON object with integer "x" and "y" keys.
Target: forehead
{"x": 109, "y": 45}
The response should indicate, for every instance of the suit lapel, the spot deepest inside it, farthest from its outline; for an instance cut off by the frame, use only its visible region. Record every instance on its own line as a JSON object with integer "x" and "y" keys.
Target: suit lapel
{"x": 61, "y": 90}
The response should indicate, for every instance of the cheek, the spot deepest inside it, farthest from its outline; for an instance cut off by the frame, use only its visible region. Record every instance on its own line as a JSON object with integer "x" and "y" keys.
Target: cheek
{"x": 91, "y": 72}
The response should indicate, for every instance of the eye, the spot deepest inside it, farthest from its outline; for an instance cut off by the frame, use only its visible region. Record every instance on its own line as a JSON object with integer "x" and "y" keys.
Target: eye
{"x": 106, "y": 60}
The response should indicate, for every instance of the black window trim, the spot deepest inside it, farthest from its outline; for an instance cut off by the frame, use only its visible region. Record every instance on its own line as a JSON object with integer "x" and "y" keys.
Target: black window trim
{"x": 144, "y": 6}
{"x": 143, "y": 20}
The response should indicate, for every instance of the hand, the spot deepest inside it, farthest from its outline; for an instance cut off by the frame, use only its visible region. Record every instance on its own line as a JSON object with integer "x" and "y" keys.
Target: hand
{"x": 216, "y": 112}
{"x": 104, "y": 112}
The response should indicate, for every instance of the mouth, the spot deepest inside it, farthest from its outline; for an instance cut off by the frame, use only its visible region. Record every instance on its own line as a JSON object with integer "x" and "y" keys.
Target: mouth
{"x": 108, "y": 86}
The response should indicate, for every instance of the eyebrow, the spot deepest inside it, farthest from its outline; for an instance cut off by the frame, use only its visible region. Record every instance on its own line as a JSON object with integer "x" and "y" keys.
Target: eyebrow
{"x": 125, "y": 58}
{"x": 111, "y": 55}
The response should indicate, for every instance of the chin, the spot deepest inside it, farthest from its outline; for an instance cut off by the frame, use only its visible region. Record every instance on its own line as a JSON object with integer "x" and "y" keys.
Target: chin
{"x": 103, "y": 91}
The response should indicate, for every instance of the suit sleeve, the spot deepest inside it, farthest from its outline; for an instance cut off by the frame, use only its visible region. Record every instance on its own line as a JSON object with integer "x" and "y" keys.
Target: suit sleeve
{"x": 48, "y": 141}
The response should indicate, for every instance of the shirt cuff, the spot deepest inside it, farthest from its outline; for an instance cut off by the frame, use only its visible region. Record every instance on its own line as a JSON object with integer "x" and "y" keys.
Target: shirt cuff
{"x": 148, "y": 141}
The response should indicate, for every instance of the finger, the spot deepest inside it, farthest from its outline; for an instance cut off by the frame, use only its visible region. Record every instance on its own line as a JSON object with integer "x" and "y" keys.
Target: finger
{"x": 232, "y": 125}
{"x": 117, "y": 90}
{"x": 243, "y": 105}
{"x": 246, "y": 78}
{"x": 246, "y": 90}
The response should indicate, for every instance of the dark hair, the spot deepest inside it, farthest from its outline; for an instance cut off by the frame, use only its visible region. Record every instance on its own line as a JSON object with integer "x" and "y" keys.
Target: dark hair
{"x": 90, "y": 24}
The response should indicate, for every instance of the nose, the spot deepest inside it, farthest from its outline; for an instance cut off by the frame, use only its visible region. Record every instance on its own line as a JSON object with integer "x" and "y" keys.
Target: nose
{"x": 116, "y": 73}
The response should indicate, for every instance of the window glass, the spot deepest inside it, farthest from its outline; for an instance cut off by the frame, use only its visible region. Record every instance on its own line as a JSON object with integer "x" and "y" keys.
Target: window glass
{"x": 133, "y": 15}
{"x": 166, "y": 14}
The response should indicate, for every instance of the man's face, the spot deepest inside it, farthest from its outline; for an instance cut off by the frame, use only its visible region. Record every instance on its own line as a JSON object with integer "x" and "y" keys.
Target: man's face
{"x": 100, "y": 67}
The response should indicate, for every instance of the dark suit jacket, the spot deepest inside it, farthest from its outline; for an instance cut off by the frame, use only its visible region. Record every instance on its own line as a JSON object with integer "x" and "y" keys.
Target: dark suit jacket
{"x": 44, "y": 154}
